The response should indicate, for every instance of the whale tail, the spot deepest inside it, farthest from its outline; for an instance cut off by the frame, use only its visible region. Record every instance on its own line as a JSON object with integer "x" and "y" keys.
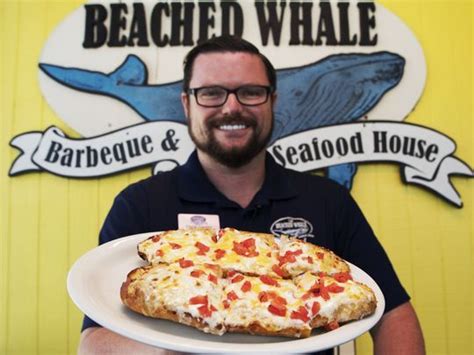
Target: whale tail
{"x": 131, "y": 72}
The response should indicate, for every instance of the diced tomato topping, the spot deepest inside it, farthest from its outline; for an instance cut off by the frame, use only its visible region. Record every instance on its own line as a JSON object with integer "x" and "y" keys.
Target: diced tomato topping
{"x": 220, "y": 233}
{"x": 238, "y": 278}
{"x": 320, "y": 255}
{"x": 319, "y": 290}
{"x": 205, "y": 311}
{"x": 231, "y": 296}
{"x": 203, "y": 248}
{"x": 278, "y": 310}
{"x": 277, "y": 299}
{"x": 185, "y": 263}
{"x": 309, "y": 259}
{"x": 315, "y": 308}
{"x": 289, "y": 256}
{"x": 246, "y": 286}
{"x": 201, "y": 299}
{"x": 156, "y": 238}
{"x": 331, "y": 325}
{"x": 197, "y": 273}
{"x": 307, "y": 295}
{"x": 226, "y": 304}
{"x": 219, "y": 253}
{"x": 263, "y": 296}
{"x": 269, "y": 254}
{"x": 321, "y": 274}
{"x": 334, "y": 288}
{"x": 214, "y": 238}
{"x": 159, "y": 252}
{"x": 213, "y": 308}
{"x": 231, "y": 273}
{"x": 246, "y": 248}
{"x": 212, "y": 278}
{"x": 301, "y": 314}
{"x": 268, "y": 280}
{"x": 278, "y": 270}
{"x": 213, "y": 267}
{"x": 175, "y": 245}
{"x": 342, "y": 276}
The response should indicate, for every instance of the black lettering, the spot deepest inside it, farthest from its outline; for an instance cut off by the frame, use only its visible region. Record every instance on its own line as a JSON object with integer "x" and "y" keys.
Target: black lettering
{"x": 409, "y": 144}
{"x": 317, "y": 155}
{"x": 342, "y": 147}
{"x": 327, "y": 148}
{"x": 276, "y": 152}
{"x": 380, "y": 142}
{"x": 205, "y": 20}
{"x": 156, "y": 22}
{"x": 66, "y": 159}
{"x": 290, "y": 154}
{"x": 238, "y": 20}
{"x": 367, "y": 22}
{"x": 79, "y": 154}
{"x": 91, "y": 157}
{"x": 273, "y": 24}
{"x": 395, "y": 144}
{"x": 145, "y": 142}
{"x": 118, "y": 152}
{"x": 104, "y": 155}
{"x": 305, "y": 154}
{"x": 117, "y": 24}
{"x": 297, "y": 22}
{"x": 138, "y": 27}
{"x": 53, "y": 152}
{"x": 185, "y": 22}
{"x": 326, "y": 26}
{"x": 95, "y": 31}
{"x": 432, "y": 149}
{"x": 345, "y": 39}
{"x": 421, "y": 148}
{"x": 133, "y": 148}
{"x": 355, "y": 143}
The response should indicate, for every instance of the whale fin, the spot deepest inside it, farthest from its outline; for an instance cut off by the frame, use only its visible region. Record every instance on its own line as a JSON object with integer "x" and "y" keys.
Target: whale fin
{"x": 78, "y": 79}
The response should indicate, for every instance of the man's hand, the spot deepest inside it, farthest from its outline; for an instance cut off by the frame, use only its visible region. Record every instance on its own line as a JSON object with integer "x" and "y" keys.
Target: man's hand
{"x": 97, "y": 340}
{"x": 399, "y": 332}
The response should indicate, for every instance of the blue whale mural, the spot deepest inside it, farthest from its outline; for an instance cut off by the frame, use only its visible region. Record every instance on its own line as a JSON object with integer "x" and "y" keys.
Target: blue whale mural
{"x": 337, "y": 89}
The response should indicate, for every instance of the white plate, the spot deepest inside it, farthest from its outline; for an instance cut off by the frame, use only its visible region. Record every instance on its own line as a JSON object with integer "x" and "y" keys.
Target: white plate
{"x": 94, "y": 285}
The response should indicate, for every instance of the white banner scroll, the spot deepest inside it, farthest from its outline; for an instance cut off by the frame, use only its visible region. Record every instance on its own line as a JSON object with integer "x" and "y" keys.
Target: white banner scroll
{"x": 425, "y": 155}
{"x": 165, "y": 144}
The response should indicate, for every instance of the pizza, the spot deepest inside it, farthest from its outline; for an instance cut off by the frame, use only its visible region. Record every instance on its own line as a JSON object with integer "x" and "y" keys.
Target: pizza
{"x": 237, "y": 281}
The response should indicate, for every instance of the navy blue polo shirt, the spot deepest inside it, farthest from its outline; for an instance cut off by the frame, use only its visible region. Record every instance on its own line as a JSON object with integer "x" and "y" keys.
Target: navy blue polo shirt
{"x": 304, "y": 205}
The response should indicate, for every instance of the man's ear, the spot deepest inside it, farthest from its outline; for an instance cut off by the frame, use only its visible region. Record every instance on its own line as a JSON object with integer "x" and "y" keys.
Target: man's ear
{"x": 274, "y": 99}
{"x": 185, "y": 103}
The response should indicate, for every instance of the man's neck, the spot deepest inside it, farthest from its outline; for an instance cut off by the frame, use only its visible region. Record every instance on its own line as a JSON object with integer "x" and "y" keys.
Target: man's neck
{"x": 237, "y": 184}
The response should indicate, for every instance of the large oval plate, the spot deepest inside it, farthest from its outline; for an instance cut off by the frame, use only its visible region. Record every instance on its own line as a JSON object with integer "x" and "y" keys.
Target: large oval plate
{"x": 94, "y": 285}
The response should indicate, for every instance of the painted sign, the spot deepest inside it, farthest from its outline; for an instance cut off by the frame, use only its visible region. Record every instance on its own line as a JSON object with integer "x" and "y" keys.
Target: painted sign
{"x": 348, "y": 74}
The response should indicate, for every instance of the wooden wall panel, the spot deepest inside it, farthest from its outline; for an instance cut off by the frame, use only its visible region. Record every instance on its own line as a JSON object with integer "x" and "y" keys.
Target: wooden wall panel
{"x": 47, "y": 222}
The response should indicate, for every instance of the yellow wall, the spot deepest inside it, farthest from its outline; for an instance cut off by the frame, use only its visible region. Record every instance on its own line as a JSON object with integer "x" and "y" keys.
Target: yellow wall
{"x": 47, "y": 222}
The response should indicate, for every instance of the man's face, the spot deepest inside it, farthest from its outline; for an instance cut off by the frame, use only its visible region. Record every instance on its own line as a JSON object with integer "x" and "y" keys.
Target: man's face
{"x": 232, "y": 134}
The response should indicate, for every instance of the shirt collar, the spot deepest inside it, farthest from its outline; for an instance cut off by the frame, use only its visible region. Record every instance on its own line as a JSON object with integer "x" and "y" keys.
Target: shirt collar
{"x": 194, "y": 185}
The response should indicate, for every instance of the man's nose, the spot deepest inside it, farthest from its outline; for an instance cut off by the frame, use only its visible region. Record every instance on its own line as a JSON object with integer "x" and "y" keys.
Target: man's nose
{"x": 232, "y": 105}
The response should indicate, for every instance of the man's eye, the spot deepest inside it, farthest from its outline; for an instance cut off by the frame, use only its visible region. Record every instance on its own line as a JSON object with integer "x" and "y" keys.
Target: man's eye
{"x": 211, "y": 92}
{"x": 252, "y": 92}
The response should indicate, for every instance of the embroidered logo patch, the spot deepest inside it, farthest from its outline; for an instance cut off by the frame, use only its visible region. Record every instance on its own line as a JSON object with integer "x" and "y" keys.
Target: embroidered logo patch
{"x": 293, "y": 227}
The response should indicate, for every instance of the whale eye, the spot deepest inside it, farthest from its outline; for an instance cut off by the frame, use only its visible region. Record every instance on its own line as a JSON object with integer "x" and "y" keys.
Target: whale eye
{"x": 298, "y": 92}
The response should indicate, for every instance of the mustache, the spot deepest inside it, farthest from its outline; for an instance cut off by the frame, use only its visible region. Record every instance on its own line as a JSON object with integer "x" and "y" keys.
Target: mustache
{"x": 214, "y": 122}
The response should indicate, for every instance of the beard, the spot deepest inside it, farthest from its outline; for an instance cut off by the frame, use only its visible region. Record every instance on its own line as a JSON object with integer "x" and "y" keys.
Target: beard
{"x": 234, "y": 157}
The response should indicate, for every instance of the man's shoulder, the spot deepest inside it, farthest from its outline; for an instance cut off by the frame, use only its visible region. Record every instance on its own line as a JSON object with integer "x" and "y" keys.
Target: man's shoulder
{"x": 310, "y": 181}
{"x": 162, "y": 182}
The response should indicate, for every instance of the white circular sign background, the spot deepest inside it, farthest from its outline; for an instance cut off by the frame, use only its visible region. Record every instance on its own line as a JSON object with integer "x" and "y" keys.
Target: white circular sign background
{"x": 91, "y": 114}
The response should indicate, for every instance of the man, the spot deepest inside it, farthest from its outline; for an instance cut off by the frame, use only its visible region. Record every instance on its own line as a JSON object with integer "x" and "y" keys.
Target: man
{"x": 228, "y": 97}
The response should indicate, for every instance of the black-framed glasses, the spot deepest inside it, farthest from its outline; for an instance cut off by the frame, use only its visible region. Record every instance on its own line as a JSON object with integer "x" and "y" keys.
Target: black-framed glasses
{"x": 215, "y": 96}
